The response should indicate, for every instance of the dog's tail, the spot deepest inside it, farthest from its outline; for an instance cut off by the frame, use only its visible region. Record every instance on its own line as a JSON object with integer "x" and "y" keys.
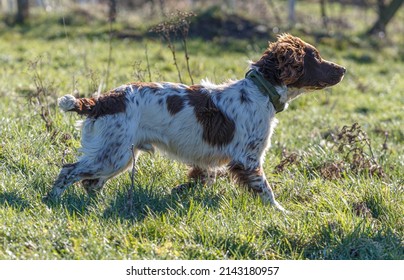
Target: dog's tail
{"x": 112, "y": 103}
{"x": 82, "y": 106}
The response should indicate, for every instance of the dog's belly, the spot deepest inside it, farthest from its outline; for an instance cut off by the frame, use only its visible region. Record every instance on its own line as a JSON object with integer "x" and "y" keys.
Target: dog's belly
{"x": 205, "y": 157}
{"x": 180, "y": 137}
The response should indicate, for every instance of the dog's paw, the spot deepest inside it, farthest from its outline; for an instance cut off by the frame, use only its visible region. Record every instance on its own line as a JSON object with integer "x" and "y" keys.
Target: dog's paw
{"x": 50, "y": 198}
{"x": 182, "y": 188}
{"x": 280, "y": 208}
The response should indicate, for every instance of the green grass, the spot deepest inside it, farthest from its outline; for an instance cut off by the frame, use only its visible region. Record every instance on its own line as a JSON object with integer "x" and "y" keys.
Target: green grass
{"x": 356, "y": 216}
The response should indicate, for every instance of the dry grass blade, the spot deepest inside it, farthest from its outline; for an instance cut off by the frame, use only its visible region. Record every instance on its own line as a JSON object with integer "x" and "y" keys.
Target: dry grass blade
{"x": 355, "y": 145}
{"x": 131, "y": 190}
{"x": 287, "y": 161}
{"x": 353, "y": 154}
{"x": 39, "y": 97}
{"x": 177, "y": 23}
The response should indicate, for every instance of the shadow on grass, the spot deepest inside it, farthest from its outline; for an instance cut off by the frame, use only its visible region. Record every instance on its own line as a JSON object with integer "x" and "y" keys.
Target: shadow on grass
{"x": 73, "y": 203}
{"x": 13, "y": 200}
{"x": 149, "y": 201}
{"x": 333, "y": 242}
{"x": 146, "y": 201}
{"x": 384, "y": 245}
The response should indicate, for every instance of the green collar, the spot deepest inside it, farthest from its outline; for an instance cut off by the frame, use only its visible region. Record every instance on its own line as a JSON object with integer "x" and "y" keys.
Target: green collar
{"x": 266, "y": 88}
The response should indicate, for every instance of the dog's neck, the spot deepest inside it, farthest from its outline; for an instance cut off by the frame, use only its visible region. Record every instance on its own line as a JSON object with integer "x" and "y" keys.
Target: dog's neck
{"x": 279, "y": 95}
{"x": 266, "y": 88}
{"x": 287, "y": 94}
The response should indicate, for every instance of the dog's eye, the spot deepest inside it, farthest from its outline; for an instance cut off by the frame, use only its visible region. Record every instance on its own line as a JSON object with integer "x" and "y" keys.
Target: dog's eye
{"x": 317, "y": 56}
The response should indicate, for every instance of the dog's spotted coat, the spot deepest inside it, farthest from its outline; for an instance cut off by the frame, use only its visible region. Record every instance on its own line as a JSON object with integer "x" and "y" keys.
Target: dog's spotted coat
{"x": 206, "y": 126}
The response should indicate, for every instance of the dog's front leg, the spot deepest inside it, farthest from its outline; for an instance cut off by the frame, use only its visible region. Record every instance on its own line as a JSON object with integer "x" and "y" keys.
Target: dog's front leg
{"x": 254, "y": 179}
{"x": 197, "y": 175}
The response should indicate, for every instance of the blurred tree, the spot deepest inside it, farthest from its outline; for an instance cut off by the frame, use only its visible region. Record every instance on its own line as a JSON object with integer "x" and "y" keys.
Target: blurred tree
{"x": 324, "y": 17}
{"x": 386, "y": 13}
{"x": 112, "y": 10}
{"x": 159, "y": 6}
{"x": 275, "y": 12}
{"x": 291, "y": 14}
{"x": 22, "y": 11}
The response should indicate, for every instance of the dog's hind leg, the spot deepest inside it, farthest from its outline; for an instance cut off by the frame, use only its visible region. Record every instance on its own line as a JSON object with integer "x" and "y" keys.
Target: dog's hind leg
{"x": 70, "y": 174}
{"x": 254, "y": 179}
{"x": 94, "y": 174}
{"x": 94, "y": 186}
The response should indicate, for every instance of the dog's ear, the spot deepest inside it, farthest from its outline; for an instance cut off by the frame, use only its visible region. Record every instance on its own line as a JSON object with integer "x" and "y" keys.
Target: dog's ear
{"x": 268, "y": 66}
{"x": 283, "y": 61}
{"x": 290, "y": 63}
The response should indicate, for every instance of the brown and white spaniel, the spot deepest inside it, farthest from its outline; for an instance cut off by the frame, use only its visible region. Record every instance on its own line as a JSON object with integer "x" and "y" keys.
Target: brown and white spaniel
{"x": 206, "y": 126}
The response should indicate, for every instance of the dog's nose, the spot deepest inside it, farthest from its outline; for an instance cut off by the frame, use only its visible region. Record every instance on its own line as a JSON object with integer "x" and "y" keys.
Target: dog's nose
{"x": 343, "y": 70}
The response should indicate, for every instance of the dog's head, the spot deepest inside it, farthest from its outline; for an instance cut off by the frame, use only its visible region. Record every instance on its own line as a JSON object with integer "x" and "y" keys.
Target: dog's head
{"x": 294, "y": 63}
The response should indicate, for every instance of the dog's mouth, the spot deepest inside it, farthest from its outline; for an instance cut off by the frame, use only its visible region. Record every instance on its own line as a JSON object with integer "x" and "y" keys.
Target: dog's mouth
{"x": 329, "y": 74}
{"x": 332, "y": 80}
{"x": 322, "y": 85}
{"x": 335, "y": 79}
{"x": 338, "y": 75}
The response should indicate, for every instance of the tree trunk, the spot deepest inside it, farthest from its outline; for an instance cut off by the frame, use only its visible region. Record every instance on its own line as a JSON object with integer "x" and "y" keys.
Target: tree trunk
{"x": 292, "y": 14}
{"x": 324, "y": 17}
{"x": 22, "y": 11}
{"x": 112, "y": 10}
{"x": 386, "y": 13}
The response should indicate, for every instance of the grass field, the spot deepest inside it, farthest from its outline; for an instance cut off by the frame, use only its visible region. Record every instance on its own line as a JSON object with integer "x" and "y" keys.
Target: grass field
{"x": 345, "y": 194}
